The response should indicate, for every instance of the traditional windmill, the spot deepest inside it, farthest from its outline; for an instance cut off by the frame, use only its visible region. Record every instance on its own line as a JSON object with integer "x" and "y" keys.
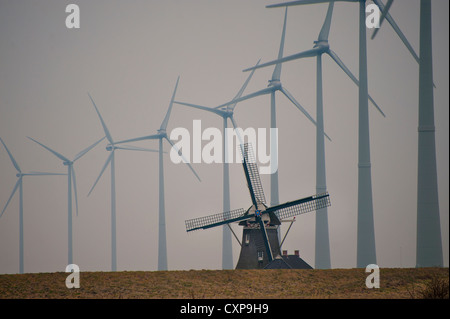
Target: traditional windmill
{"x": 260, "y": 245}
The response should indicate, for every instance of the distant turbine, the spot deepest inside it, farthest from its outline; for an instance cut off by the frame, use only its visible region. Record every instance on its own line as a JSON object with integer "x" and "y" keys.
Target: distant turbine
{"x": 366, "y": 252}
{"x": 110, "y": 161}
{"x": 226, "y": 113}
{"x": 274, "y": 86}
{"x": 70, "y": 177}
{"x": 20, "y": 187}
{"x": 322, "y": 247}
{"x": 161, "y": 135}
{"x": 429, "y": 241}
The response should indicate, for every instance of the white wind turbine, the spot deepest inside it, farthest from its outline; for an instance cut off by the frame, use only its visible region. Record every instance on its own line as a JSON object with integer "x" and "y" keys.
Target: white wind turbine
{"x": 111, "y": 147}
{"x": 19, "y": 185}
{"x": 366, "y": 253}
{"x": 321, "y": 46}
{"x": 225, "y": 114}
{"x": 429, "y": 240}
{"x": 70, "y": 180}
{"x": 162, "y": 135}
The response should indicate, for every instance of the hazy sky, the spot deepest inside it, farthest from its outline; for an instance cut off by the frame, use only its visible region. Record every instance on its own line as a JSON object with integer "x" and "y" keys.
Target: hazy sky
{"x": 128, "y": 55}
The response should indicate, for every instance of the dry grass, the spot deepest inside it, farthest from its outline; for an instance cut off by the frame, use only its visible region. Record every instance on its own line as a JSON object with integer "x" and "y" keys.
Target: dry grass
{"x": 395, "y": 283}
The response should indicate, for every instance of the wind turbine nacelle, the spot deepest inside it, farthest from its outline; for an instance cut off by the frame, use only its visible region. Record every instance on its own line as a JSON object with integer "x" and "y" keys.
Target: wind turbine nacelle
{"x": 67, "y": 163}
{"x": 274, "y": 83}
{"x": 109, "y": 147}
{"x": 321, "y": 44}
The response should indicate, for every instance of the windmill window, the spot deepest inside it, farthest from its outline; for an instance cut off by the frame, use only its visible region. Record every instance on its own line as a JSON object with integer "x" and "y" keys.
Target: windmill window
{"x": 247, "y": 239}
{"x": 260, "y": 256}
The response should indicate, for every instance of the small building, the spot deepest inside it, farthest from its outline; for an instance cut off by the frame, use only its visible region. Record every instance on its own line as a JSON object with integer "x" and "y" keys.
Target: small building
{"x": 288, "y": 262}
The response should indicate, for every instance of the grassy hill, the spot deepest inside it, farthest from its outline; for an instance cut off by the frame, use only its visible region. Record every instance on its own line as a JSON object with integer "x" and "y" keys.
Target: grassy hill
{"x": 397, "y": 283}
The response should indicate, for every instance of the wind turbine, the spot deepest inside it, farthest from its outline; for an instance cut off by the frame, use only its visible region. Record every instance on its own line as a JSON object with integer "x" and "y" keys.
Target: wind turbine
{"x": 19, "y": 186}
{"x": 321, "y": 46}
{"x": 366, "y": 253}
{"x": 70, "y": 179}
{"x": 429, "y": 241}
{"x": 225, "y": 114}
{"x": 111, "y": 161}
{"x": 162, "y": 135}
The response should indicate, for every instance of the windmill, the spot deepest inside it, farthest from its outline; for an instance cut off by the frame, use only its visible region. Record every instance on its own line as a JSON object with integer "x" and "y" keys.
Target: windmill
{"x": 366, "y": 253}
{"x": 260, "y": 244}
{"x": 19, "y": 185}
{"x": 70, "y": 180}
{"x": 111, "y": 161}
{"x": 321, "y": 46}
{"x": 162, "y": 135}
{"x": 225, "y": 114}
{"x": 429, "y": 241}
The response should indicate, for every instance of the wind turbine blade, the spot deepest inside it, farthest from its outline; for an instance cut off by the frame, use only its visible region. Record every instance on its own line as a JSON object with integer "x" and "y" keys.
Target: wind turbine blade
{"x": 249, "y": 96}
{"x": 277, "y": 71}
{"x": 50, "y": 150}
{"x": 11, "y": 157}
{"x": 305, "y": 54}
{"x": 108, "y": 160}
{"x": 301, "y": 108}
{"x": 74, "y": 180}
{"x": 200, "y": 107}
{"x": 217, "y": 219}
{"x": 397, "y": 30}
{"x": 32, "y": 173}
{"x": 339, "y": 62}
{"x": 325, "y": 31}
{"x": 241, "y": 141}
{"x": 148, "y": 137}
{"x": 105, "y": 128}
{"x": 12, "y": 194}
{"x": 87, "y": 149}
{"x": 242, "y": 89}
{"x": 166, "y": 118}
{"x": 301, "y": 2}
{"x": 135, "y": 148}
{"x": 382, "y": 17}
{"x": 184, "y": 159}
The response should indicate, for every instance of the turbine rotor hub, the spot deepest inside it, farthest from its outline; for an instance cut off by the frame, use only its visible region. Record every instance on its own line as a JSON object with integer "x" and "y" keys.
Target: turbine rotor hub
{"x": 323, "y": 44}
{"x": 275, "y": 83}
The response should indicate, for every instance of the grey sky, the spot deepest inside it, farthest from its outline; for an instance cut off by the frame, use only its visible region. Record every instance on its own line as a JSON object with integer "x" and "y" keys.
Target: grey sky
{"x": 128, "y": 55}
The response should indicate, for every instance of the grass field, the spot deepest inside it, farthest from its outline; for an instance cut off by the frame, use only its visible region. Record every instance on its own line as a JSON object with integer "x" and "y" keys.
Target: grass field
{"x": 395, "y": 283}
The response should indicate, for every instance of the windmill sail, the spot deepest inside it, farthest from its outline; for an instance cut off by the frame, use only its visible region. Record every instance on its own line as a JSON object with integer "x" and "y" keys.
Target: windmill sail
{"x": 216, "y": 219}
{"x": 301, "y": 206}
{"x": 252, "y": 174}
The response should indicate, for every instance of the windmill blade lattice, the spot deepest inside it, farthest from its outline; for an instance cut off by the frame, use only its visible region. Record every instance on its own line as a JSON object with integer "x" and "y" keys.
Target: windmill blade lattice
{"x": 216, "y": 219}
{"x": 252, "y": 168}
{"x": 302, "y": 206}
